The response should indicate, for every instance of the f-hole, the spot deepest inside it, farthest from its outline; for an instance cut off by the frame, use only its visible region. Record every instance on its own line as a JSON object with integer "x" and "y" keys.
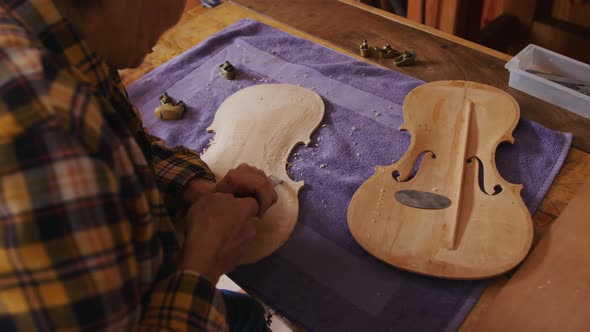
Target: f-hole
{"x": 480, "y": 177}
{"x": 396, "y": 174}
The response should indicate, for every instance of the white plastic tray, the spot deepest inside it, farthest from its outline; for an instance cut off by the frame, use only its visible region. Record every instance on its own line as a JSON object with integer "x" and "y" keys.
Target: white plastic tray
{"x": 538, "y": 59}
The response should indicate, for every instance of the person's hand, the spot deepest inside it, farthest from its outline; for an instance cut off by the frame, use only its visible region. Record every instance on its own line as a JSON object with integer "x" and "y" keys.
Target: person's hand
{"x": 217, "y": 226}
{"x": 246, "y": 180}
{"x": 196, "y": 188}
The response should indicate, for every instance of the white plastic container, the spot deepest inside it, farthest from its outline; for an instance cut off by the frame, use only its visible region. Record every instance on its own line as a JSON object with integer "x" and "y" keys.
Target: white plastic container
{"x": 537, "y": 59}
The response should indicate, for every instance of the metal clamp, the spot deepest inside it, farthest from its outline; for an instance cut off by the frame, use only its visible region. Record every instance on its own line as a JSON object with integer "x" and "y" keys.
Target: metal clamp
{"x": 169, "y": 110}
{"x": 406, "y": 58}
{"x": 364, "y": 48}
{"x": 227, "y": 70}
{"x": 387, "y": 52}
{"x": 210, "y": 3}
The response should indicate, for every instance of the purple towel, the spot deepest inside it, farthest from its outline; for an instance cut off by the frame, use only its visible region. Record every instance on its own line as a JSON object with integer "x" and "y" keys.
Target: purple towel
{"x": 321, "y": 278}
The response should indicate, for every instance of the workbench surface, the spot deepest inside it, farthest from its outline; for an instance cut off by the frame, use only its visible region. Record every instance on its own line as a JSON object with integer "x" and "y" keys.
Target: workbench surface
{"x": 341, "y": 25}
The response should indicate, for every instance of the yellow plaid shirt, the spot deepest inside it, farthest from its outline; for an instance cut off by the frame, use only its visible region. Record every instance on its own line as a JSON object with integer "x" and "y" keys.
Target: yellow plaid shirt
{"x": 86, "y": 239}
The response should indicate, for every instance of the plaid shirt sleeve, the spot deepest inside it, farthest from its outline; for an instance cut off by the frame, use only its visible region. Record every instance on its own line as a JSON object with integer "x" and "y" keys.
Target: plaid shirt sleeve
{"x": 66, "y": 254}
{"x": 174, "y": 167}
{"x": 182, "y": 302}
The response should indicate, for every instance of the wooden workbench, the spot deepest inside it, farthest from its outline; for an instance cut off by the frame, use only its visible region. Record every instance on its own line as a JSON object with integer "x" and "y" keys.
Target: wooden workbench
{"x": 343, "y": 25}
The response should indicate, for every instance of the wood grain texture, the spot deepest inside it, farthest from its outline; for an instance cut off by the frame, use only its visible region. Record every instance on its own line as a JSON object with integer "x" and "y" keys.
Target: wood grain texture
{"x": 429, "y": 30}
{"x": 575, "y": 171}
{"x": 572, "y": 175}
{"x": 448, "y": 15}
{"x": 552, "y": 284}
{"x": 575, "y": 13}
{"x": 441, "y": 15}
{"x": 455, "y": 127}
{"x": 199, "y": 23}
{"x": 414, "y": 10}
{"x": 438, "y": 59}
{"x": 555, "y": 38}
{"x": 259, "y": 126}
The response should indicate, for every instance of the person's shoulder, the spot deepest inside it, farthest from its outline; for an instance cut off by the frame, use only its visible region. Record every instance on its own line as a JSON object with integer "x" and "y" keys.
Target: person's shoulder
{"x": 31, "y": 82}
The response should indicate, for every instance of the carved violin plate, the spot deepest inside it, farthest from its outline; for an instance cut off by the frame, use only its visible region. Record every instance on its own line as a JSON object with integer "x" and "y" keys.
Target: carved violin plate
{"x": 260, "y": 125}
{"x": 456, "y": 217}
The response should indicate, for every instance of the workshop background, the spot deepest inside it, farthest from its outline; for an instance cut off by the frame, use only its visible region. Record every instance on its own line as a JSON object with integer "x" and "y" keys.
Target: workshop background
{"x": 508, "y": 26}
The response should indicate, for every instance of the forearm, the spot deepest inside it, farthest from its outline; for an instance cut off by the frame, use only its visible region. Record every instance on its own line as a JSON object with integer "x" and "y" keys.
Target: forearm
{"x": 181, "y": 175}
{"x": 175, "y": 167}
{"x": 195, "y": 188}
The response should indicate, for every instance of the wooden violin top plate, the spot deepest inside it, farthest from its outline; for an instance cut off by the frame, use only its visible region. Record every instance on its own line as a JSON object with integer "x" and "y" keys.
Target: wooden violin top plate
{"x": 260, "y": 125}
{"x": 486, "y": 230}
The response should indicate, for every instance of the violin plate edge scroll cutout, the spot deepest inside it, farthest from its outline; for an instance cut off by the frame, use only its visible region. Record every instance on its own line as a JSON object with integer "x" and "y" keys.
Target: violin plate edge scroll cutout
{"x": 260, "y": 125}
{"x": 486, "y": 230}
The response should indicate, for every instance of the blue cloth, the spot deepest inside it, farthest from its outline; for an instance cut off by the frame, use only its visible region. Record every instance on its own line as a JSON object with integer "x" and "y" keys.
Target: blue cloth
{"x": 321, "y": 278}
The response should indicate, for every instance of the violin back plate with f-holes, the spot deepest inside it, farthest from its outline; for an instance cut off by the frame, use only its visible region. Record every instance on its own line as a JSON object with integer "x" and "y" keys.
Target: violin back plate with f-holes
{"x": 259, "y": 126}
{"x": 456, "y": 217}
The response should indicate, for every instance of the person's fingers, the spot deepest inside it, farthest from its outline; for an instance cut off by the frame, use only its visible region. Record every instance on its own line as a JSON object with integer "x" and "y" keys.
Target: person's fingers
{"x": 228, "y": 184}
{"x": 251, "y": 170}
{"x": 265, "y": 195}
{"x": 249, "y": 207}
{"x": 246, "y": 180}
{"x": 218, "y": 226}
{"x": 243, "y": 180}
{"x": 259, "y": 171}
